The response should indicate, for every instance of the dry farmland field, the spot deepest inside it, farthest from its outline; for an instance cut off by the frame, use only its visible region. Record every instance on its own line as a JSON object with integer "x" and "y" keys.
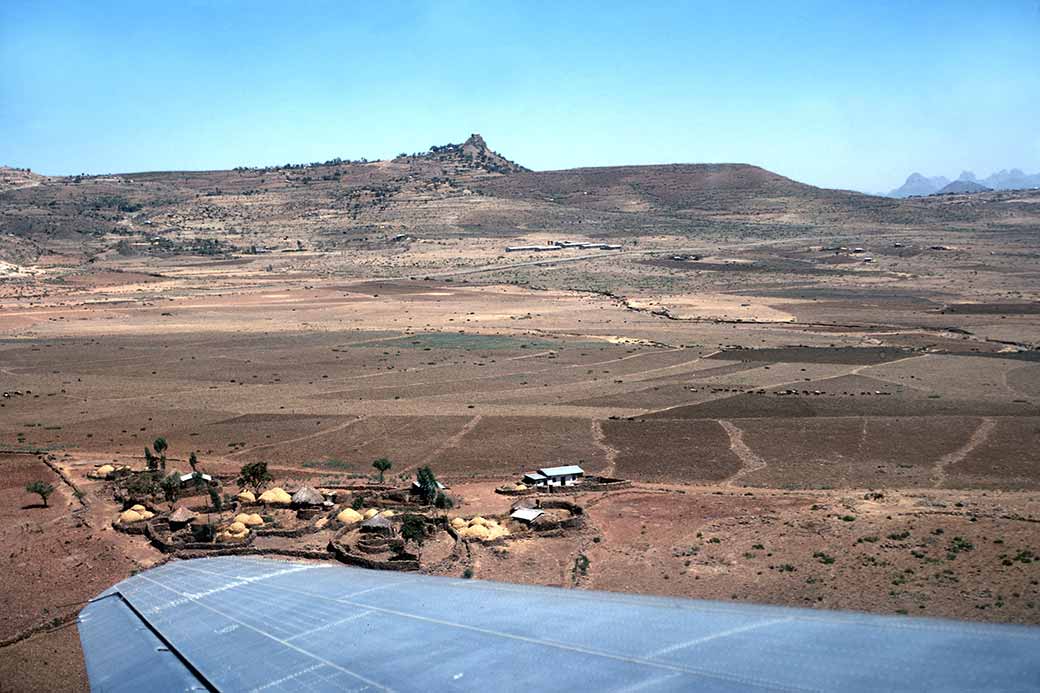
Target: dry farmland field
{"x": 800, "y": 427}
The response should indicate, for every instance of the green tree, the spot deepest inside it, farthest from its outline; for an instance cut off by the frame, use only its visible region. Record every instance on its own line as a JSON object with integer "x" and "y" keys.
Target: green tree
{"x": 215, "y": 500}
{"x": 254, "y": 476}
{"x": 428, "y": 486}
{"x": 171, "y": 486}
{"x": 157, "y": 461}
{"x": 41, "y": 489}
{"x": 151, "y": 460}
{"x": 413, "y": 529}
{"x": 383, "y": 465}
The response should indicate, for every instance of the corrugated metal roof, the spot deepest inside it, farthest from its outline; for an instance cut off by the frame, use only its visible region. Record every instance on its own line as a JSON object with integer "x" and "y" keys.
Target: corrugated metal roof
{"x": 527, "y": 514}
{"x": 534, "y": 475}
{"x": 236, "y": 623}
{"x": 562, "y": 471}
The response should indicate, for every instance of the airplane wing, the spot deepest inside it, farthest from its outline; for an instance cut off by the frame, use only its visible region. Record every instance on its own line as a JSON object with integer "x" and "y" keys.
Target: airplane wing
{"x": 250, "y": 624}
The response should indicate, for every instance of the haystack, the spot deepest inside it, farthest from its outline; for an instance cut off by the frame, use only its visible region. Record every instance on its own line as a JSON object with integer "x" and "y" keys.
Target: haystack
{"x": 475, "y": 532}
{"x": 236, "y": 531}
{"x": 479, "y": 528}
{"x": 102, "y": 472}
{"x": 370, "y": 513}
{"x": 349, "y": 516}
{"x": 249, "y": 519}
{"x": 129, "y": 516}
{"x": 275, "y": 496}
{"x": 246, "y": 497}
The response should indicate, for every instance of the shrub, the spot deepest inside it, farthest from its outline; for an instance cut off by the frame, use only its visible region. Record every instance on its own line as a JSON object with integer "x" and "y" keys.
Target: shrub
{"x": 142, "y": 486}
{"x": 41, "y": 489}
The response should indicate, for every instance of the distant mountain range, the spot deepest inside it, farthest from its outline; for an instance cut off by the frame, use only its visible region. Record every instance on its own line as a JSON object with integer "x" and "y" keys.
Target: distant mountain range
{"x": 1015, "y": 179}
{"x": 962, "y": 186}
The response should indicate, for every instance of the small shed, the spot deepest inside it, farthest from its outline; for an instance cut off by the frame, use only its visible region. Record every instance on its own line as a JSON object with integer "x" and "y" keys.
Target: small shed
{"x": 534, "y": 478}
{"x": 527, "y": 515}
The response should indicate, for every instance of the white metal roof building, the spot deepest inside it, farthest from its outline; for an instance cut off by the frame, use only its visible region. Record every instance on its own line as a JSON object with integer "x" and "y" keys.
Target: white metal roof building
{"x": 567, "y": 470}
{"x": 555, "y": 476}
{"x": 527, "y": 514}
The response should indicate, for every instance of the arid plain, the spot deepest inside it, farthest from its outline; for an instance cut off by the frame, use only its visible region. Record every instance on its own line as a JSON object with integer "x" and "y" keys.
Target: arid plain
{"x": 802, "y": 426}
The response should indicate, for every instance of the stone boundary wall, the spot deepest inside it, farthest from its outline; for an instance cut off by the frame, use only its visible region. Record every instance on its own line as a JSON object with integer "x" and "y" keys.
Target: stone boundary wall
{"x": 575, "y": 521}
{"x": 172, "y": 547}
{"x": 344, "y": 555}
{"x": 589, "y": 484}
{"x": 248, "y": 551}
{"x": 136, "y": 528}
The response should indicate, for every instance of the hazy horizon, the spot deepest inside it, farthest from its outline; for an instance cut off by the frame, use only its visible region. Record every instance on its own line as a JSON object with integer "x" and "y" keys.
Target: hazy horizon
{"x": 844, "y": 97}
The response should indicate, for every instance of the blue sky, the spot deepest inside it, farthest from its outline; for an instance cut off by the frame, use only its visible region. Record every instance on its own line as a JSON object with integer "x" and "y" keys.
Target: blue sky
{"x": 854, "y": 94}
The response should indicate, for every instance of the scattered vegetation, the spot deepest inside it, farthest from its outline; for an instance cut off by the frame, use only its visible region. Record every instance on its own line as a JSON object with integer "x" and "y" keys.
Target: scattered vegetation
{"x": 41, "y": 489}
{"x": 958, "y": 545}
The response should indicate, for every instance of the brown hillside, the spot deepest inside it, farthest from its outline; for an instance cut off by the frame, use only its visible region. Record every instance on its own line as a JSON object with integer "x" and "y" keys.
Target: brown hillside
{"x": 451, "y": 190}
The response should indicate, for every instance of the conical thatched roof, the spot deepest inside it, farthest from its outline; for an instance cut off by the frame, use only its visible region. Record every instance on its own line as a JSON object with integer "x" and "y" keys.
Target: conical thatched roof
{"x": 377, "y": 523}
{"x": 182, "y": 516}
{"x": 307, "y": 495}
